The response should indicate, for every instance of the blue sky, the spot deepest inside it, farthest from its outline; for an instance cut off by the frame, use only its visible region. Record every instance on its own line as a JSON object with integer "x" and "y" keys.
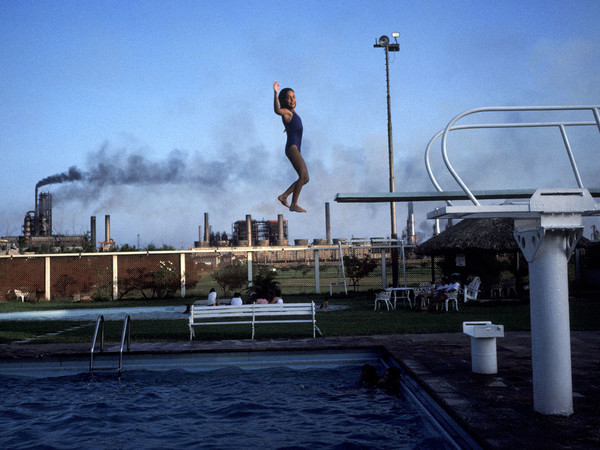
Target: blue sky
{"x": 167, "y": 106}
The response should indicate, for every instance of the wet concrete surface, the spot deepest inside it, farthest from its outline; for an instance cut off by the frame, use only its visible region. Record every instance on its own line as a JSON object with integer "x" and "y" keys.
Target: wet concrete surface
{"x": 497, "y": 410}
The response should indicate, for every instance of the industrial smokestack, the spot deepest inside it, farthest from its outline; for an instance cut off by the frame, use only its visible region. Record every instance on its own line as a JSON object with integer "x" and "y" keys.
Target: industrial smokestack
{"x": 93, "y": 231}
{"x": 249, "y": 229}
{"x": 410, "y": 224}
{"x": 36, "y": 226}
{"x": 327, "y": 224}
{"x": 206, "y": 228}
{"x": 107, "y": 229}
{"x": 280, "y": 236}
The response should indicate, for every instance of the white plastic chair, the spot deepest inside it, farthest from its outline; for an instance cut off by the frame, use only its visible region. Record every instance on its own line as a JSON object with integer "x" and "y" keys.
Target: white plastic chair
{"x": 423, "y": 288}
{"x": 509, "y": 287}
{"x": 452, "y": 299}
{"x": 471, "y": 291}
{"x": 383, "y": 297}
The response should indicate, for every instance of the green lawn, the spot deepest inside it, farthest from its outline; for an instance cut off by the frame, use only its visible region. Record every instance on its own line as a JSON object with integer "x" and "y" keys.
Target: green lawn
{"x": 358, "y": 320}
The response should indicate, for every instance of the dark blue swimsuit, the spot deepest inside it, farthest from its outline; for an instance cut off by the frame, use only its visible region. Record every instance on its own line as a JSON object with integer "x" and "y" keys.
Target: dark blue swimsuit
{"x": 294, "y": 132}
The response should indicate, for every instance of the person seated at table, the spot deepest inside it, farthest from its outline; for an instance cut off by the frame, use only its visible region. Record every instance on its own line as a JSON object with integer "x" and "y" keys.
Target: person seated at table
{"x": 236, "y": 300}
{"x": 427, "y": 295}
{"x": 442, "y": 294}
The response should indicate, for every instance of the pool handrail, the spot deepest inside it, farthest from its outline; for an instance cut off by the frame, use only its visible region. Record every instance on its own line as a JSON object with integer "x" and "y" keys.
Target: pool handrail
{"x": 126, "y": 331}
{"x": 99, "y": 326}
{"x": 561, "y": 125}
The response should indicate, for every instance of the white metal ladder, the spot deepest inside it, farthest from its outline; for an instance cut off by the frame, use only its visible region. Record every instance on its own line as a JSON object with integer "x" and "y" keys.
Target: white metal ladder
{"x": 125, "y": 335}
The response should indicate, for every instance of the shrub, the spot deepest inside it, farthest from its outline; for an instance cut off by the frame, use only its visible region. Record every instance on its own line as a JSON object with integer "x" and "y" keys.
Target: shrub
{"x": 264, "y": 285}
{"x": 102, "y": 288}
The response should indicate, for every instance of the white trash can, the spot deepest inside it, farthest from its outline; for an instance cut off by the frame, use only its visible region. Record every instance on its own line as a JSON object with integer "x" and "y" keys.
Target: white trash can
{"x": 483, "y": 345}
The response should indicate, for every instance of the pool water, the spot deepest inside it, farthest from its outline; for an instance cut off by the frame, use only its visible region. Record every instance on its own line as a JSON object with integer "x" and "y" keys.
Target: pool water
{"x": 136, "y": 312}
{"x": 228, "y": 408}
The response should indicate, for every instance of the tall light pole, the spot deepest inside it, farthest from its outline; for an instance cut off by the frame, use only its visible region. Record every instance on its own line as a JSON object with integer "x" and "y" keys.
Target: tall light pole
{"x": 384, "y": 42}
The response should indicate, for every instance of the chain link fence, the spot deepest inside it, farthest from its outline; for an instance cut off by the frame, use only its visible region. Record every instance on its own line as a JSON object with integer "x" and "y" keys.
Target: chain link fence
{"x": 192, "y": 273}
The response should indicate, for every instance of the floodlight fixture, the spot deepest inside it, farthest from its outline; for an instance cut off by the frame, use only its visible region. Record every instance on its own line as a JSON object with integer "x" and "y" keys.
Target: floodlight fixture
{"x": 384, "y": 42}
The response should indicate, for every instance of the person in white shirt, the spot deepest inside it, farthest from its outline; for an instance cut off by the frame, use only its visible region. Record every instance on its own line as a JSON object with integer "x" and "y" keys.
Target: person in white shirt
{"x": 212, "y": 298}
{"x": 236, "y": 300}
{"x": 442, "y": 294}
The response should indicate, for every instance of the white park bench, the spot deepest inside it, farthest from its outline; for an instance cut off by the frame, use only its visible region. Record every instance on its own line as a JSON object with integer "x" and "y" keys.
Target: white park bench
{"x": 253, "y": 314}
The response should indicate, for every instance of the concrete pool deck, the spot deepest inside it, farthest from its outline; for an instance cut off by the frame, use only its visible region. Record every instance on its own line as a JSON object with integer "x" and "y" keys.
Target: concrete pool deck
{"x": 497, "y": 410}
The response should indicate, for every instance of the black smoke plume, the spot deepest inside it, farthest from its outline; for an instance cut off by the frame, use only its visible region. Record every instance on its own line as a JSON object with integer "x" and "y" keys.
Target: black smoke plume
{"x": 73, "y": 174}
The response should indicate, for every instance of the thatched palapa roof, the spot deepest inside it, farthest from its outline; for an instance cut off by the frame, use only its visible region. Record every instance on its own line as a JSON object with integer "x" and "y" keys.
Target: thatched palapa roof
{"x": 493, "y": 235}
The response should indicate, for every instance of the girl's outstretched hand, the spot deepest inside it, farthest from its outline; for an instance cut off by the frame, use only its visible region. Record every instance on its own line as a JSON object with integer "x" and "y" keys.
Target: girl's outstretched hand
{"x": 275, "y": 86}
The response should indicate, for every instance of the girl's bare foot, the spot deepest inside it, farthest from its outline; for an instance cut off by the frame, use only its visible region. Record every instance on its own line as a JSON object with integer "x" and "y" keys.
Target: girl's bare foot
{"x": 283, "y": 199}
{"x": 296, "y": 208}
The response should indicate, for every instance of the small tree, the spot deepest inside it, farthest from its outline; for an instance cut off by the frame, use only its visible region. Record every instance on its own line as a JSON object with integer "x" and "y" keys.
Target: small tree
{"x": 137, "y": 279}
{"x": 358, "y": 268}
{"x": 231, "y": 278}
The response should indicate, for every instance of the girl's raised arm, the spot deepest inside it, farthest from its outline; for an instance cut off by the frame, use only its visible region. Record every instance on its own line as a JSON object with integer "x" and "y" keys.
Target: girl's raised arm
{"x": 284, "y": 112}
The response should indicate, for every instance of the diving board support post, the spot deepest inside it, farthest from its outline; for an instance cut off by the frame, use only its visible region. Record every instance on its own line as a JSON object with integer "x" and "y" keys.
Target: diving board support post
{"x": 547, "y": 242}
{"x": 547, "y": 251}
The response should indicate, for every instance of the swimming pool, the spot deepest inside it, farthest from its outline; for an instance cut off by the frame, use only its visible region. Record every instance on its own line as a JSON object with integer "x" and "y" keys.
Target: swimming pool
{"x": 136, "y": 313}
{"x": 227, "y": 406}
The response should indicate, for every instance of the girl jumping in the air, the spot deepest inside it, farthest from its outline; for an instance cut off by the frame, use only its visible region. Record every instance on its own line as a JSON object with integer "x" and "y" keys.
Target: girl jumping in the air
{"x": 284, "y": 104}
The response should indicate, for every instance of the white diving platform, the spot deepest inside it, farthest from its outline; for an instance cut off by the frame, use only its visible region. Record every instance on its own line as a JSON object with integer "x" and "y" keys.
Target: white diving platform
{"x": 548, "y": 224}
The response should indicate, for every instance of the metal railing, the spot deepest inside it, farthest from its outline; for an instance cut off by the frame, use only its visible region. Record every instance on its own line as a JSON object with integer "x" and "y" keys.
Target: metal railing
{"x": 125, "y": 336}
{"x": 99, "y": 327}
{"x": 561, "y": 125}
{"x": 126, "y": 332}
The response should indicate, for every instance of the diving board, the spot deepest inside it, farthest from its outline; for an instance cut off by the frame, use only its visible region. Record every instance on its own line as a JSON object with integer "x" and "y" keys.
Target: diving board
{"x": 434, "y": 196}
